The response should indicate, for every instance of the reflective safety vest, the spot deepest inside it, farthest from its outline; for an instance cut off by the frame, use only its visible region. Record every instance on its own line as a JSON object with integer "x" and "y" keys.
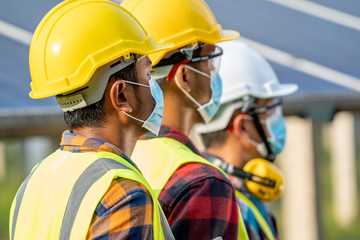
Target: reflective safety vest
{"x": 259, "y": 217}
{"x": 158, "y": 159}
{"x": 58, "y": 198}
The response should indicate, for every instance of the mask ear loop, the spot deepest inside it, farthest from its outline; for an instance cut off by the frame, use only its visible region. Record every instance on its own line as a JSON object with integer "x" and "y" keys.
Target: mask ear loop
{"x": 270, "y": 156}
{"x": 138, "y": 84}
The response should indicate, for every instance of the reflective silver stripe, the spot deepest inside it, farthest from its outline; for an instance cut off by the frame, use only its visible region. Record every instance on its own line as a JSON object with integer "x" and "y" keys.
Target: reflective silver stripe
{"x": 91, "y": 174}
{"x": 165, "y": 226}
{"x": 19, "y": 198}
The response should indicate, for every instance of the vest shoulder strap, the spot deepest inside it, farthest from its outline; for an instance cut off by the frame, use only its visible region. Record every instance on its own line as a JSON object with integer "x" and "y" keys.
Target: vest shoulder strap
{"x": 168, "y": 153}
{"x": 259, "y": 217}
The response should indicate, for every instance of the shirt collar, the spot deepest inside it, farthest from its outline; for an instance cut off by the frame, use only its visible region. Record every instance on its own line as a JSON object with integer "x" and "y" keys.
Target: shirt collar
{"x": 173, "y": 133}
{"x": 76, "y": 143}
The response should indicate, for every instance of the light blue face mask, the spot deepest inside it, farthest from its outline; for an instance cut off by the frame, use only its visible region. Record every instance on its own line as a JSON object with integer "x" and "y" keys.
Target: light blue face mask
{"x": 153, "y": 122}
{"x": 209, "y": 109}
{"x": 278, "y": 129}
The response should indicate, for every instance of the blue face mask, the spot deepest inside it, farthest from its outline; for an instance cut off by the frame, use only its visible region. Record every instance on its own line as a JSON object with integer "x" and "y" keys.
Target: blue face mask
{"x": 153, "y": 122}
{"x": 209, "y": 109}
{"x": 278, "y": 129}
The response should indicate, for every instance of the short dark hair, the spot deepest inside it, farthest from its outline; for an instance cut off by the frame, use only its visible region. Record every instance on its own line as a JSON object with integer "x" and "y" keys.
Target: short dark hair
{"x": 212, "y": 138}
{"x": 162, "y": 81}
{"x": 219, "y": 137}
{"x": 94, "y": 114}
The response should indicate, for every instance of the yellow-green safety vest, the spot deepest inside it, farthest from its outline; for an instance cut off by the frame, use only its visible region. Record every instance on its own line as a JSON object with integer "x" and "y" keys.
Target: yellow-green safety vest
{"x": 259, "y": 217}
{"x": 158, "y": 159}
{"x": 58, "y": 198}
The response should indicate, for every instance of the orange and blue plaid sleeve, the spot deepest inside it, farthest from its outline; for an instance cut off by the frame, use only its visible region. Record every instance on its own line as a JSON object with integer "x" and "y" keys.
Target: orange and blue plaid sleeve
{"x": 125, "y": 212}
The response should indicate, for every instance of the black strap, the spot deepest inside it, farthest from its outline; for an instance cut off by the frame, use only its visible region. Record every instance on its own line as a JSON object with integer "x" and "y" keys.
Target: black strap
{"x": 174, "y": 59}
{"x": 237, "y": 172}
{"x": 270, "y": 155}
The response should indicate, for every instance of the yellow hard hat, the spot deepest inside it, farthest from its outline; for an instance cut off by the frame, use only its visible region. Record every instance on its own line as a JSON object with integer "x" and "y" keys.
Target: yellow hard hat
{"x": 181, "y": 22}
{"x": 76, "y": 38}
{"x": 267, "y": 182}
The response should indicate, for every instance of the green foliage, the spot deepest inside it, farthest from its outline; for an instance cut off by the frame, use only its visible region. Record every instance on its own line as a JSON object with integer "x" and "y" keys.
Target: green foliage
{"x": 329, "y": 225}
{"x": 8, "y": 189}
{"x": 14, "y": 175}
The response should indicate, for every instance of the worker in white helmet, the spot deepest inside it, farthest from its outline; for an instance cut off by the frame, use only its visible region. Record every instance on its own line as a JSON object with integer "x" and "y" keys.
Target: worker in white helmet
{"x": 247, "y": 134}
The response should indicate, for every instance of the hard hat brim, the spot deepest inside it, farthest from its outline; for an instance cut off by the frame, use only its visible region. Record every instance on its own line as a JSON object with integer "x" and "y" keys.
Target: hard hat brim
{"x": 226, "y": 35}
{"x": 229, "y": 35}
{"x": 283, "y": 89}
{"x": 230, "y": 103}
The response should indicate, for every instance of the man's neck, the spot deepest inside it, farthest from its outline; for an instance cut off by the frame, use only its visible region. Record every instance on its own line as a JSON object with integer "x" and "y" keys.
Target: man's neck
{"x": 125, "y": 139}
{"x": 229, "y": 153}
{"x": 178, "y": 115}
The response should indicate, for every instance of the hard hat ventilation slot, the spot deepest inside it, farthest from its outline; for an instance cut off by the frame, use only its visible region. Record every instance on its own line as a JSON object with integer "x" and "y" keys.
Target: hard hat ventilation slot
{"x": 70, "y": 93}
{"x": 114, "y": 64}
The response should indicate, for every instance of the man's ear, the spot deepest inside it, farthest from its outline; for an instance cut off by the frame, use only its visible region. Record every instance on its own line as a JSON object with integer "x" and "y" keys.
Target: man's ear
{"x": 181, "y": 78}
{"x": 239, "y": 125}
{"x": 118, "y": 97}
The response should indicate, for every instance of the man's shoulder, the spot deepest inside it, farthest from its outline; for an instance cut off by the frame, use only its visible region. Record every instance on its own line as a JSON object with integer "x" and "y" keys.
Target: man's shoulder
{"x": 194, "y": 180}
{"x": 194, "y": 172}
{"x": 122, "y": 189}
{"x": 126, "y": 204}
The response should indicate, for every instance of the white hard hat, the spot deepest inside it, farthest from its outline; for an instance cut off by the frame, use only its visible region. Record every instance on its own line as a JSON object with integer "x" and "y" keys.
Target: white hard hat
{"x": 243, "y": 72}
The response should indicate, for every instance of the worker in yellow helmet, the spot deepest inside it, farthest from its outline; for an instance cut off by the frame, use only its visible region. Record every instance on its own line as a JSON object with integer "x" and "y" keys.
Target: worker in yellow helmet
{"x": 247, "y": 133}
{"x": 196, "y": 196}
{"x": 92, "y": 55}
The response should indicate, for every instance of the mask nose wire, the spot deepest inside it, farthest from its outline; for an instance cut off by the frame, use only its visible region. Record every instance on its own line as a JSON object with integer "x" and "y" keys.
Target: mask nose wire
{"x": 270, "y": 156}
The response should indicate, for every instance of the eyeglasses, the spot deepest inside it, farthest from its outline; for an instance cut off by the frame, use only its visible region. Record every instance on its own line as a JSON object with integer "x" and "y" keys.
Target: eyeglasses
{"x": 188, "y": 53}
{"x": 276, "y": 103}
{"x": 272, "y": 111}
{"x": 186, "y": 56}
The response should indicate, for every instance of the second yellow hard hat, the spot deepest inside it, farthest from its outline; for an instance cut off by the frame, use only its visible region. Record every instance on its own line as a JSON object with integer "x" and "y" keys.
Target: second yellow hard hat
{"x": 181, "y": 22}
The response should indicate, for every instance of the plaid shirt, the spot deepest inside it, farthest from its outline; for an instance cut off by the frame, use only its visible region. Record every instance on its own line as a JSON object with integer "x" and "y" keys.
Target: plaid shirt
{"x": 198, "y": 200}
{"x": 125, "y": 211}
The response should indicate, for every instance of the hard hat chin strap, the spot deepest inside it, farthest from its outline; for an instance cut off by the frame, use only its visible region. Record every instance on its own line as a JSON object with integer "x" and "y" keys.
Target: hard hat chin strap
{"x": 270, "y": 155}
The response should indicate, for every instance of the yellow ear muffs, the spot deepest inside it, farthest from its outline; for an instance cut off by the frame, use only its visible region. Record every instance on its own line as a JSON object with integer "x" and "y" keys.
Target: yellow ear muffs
{"x": 267, "y": 181}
